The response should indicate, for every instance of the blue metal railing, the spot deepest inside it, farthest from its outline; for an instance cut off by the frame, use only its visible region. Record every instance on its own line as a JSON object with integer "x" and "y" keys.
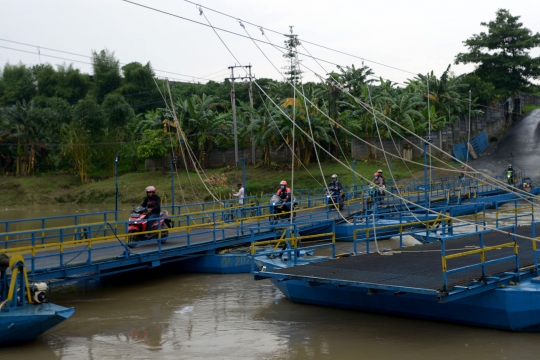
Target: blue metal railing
{"x": 293, "y": 252}
{"x": 43, "y": 222}
{"x": 536, "y": 248}
{"x": 227, "y": 215}
{"x": 481, "y": 250}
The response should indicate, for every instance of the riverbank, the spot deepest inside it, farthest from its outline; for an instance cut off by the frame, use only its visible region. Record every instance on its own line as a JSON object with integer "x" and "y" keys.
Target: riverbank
{"x": 188, "y": 186}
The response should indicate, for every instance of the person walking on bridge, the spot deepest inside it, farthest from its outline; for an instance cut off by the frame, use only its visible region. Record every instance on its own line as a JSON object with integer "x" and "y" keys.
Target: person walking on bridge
{"x": 239, "y": 194}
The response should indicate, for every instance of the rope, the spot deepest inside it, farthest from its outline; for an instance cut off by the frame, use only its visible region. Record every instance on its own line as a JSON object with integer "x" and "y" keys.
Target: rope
{"x": 362, "y": 104}
{"x": 179, "y": 143}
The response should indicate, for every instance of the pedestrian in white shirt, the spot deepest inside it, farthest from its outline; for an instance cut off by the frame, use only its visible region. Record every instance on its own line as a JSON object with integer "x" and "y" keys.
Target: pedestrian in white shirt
{"x": 239, "y": 194}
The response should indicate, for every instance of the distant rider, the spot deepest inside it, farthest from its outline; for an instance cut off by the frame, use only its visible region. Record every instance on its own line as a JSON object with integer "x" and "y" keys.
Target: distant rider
{"x": 152, "y": 203}
{"x": 382, "y": 177}
{"x": 378, "y": 184}
{"x": 285, "y": 195}
{"x": 335, "y": 189}
{"x": 510, "y": 174}
{"x": 335, "y": 186}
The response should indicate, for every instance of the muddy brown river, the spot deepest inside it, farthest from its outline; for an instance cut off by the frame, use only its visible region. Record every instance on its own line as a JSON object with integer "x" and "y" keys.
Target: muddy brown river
{"x": 164, "y": 314}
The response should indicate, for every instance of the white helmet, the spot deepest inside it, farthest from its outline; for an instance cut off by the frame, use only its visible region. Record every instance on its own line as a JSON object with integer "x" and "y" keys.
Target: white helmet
{"x": 334, "y": 176}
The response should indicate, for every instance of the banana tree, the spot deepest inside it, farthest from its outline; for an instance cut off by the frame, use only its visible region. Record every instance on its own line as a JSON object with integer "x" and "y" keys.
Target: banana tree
{"x": 358, "y": 119}
{"x": 204, "y": 127}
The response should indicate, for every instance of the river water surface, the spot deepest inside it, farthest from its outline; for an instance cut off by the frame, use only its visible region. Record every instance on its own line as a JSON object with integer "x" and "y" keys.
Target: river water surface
{"x": 163, "y": 314}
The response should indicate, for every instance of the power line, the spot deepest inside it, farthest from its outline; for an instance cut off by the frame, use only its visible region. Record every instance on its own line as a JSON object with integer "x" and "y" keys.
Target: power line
{"x": 300, "y": 39}
{"x": 217, "y": 28}
{"x": 35, "y": 53}
{"x": 253, "y": 39}
{"x": 85, "y": 56}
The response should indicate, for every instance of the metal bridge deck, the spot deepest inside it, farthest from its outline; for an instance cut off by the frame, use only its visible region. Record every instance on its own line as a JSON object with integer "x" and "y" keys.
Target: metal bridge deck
{"x": 75, "y": 259}
{"x": 418, "y": 267}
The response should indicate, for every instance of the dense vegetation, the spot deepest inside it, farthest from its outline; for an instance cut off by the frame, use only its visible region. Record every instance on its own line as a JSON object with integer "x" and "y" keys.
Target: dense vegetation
{"x": 57, "y": 119}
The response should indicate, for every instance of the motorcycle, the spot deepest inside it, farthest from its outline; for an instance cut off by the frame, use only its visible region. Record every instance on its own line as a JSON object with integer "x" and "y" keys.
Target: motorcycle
{"x": 277, "y": 208}
{"x": 376, "y": 194}
{"x": 335, "y": 199}
{"x": 138, "y": 223}
{"x": 527, "y": 184}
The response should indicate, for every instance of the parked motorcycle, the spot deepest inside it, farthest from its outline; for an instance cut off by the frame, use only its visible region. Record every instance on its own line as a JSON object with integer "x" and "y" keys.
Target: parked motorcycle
{"x": 138, "y": 223}
{"x": 278, "y": 211}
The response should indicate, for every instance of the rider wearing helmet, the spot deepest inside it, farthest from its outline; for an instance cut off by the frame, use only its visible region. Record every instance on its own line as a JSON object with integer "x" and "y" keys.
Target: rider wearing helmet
{"x": 381, "y": 176}
{"x": 285, "y": 195}
{"x": 335, "y": 187}
{"x": 152, "y": 203}
{"x": 377, "y": 180}
{"x": 378, "y": 183}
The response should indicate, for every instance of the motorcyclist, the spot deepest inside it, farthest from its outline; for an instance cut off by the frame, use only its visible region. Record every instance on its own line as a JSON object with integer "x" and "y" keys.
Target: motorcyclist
{"x": 335, "y": 189}
{"x": 152, "y": 203}
{"x": 510, "y": 174}
{"x": 285, "y": 195}
{"x": 380, "y": 172}
{"x": 379, "y": 183}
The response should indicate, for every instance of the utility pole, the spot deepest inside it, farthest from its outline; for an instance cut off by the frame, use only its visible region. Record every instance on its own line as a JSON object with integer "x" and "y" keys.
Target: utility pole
{"x": 251, "y": 116}
{"x": 233, "y": 106}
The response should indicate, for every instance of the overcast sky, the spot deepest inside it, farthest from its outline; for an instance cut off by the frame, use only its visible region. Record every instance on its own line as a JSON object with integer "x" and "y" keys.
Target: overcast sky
{"x": 411, "y": 35}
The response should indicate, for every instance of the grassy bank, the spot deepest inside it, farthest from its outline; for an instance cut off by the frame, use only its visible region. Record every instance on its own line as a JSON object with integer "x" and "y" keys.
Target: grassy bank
{"x": 66, "y": 188}
{"x": 528, "y": 108}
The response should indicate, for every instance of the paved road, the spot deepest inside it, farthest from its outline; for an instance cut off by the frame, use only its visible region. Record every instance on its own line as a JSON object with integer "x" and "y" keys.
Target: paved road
{"x": 522, "y": 140}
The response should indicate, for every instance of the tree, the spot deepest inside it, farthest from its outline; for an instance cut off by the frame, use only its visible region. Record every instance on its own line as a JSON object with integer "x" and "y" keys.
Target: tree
{"x": 106, "y": 73}
{"x": 72, "y": 85}
{"x": 155, "y": 145}
{"x": 445, "y": 99}
{"x": 77, "y": 150}
{"x": 139, "y": 88}
{"x": 117, "y": 115}
{"x": 88, "y": 116}
{"x": 23, "y": 127}
{"x": 484, "y": 93}
{"x": 203, "y": 125}
{"x": 46, "y": 79}
{"x": 353, "y": 79}
{"x": 16, "y": 84}
{"x": 502, "y": 54}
